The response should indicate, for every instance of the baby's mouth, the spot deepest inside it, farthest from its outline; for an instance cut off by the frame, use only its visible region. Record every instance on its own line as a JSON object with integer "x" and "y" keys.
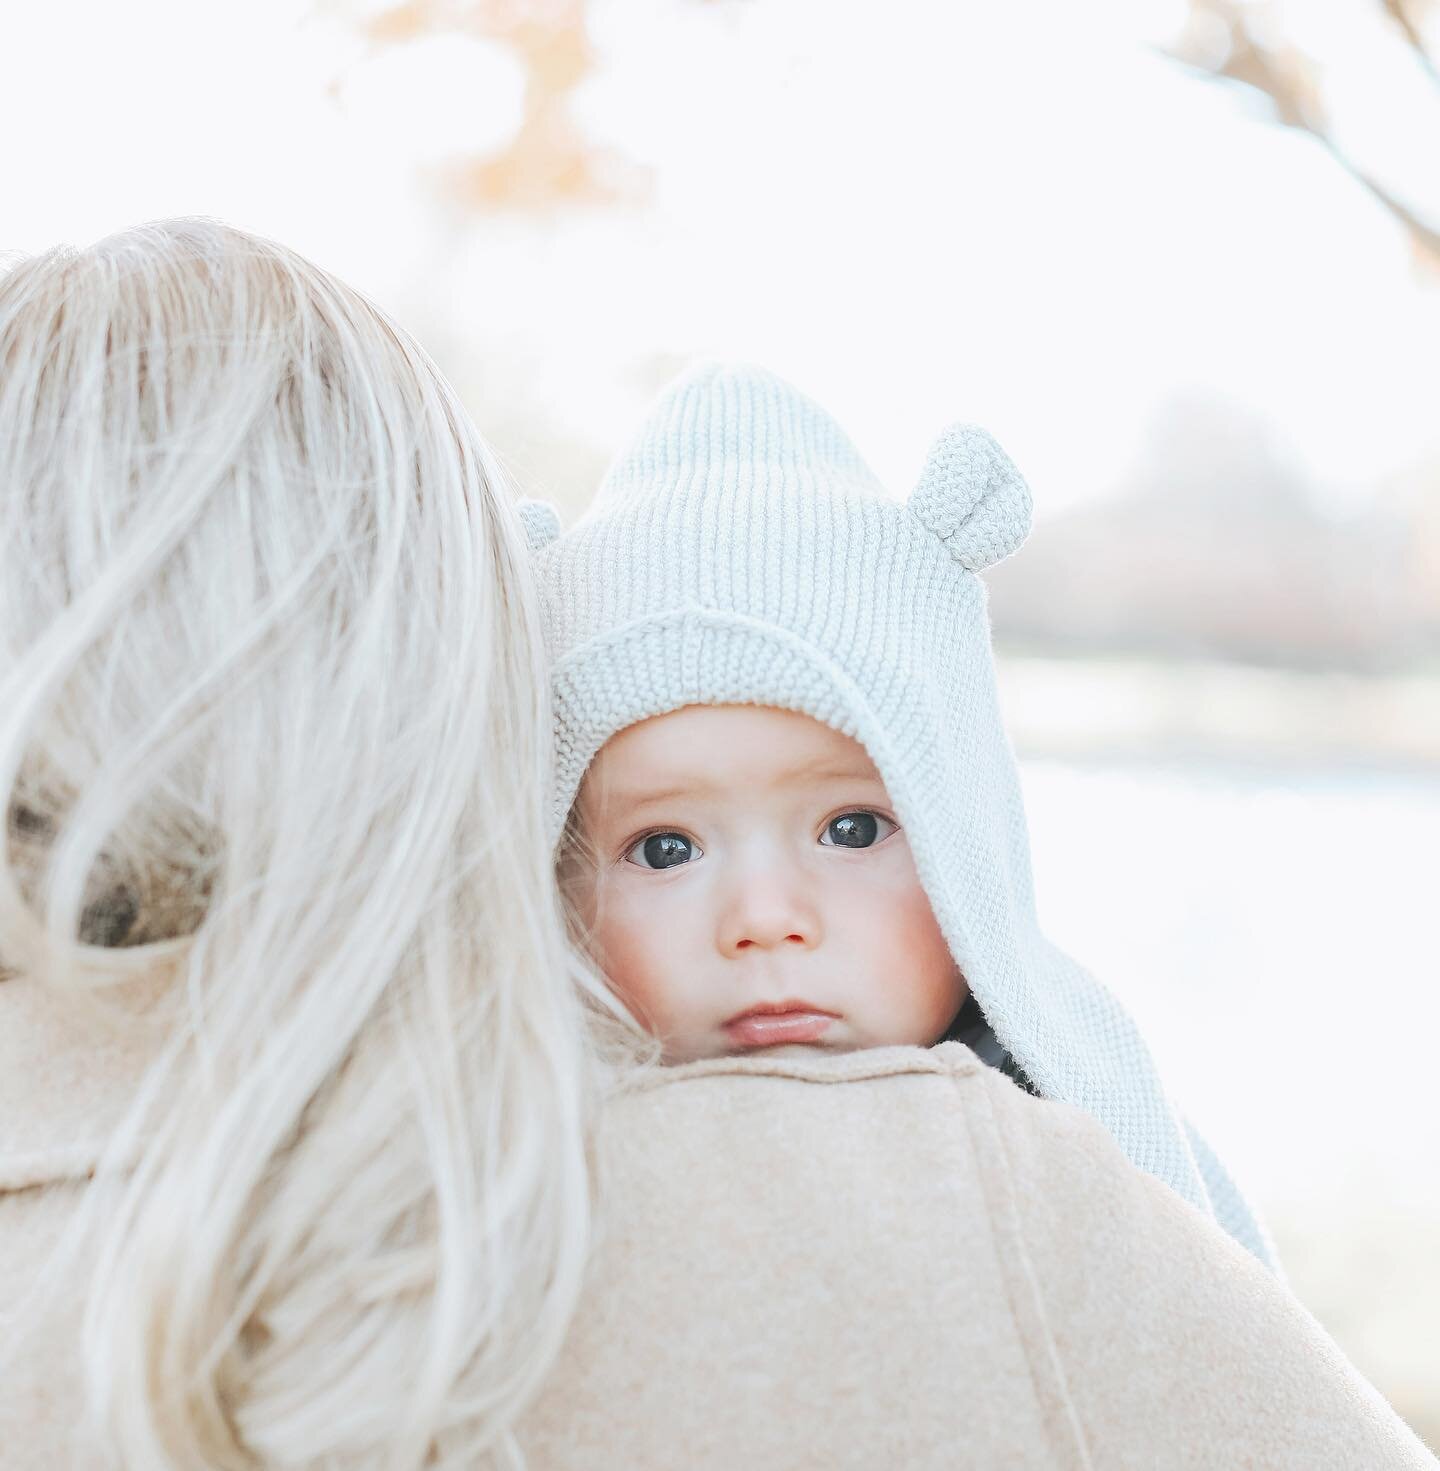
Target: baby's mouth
{"x": 774, "y": 1024}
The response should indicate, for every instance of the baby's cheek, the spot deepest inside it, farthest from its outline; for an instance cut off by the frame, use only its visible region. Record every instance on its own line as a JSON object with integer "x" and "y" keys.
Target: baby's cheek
{"x": 638, "y": 953}
{"x": 623, "y": 951}
{"x": 939, "y": 988}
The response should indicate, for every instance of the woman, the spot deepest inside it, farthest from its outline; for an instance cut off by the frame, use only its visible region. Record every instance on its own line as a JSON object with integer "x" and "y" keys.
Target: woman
{"x": 283, "y": 969}
{"x": 294, "y": 1064}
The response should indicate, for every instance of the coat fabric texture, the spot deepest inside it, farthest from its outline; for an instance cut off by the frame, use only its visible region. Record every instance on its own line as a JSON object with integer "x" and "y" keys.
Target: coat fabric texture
{"x": 741, "y": 552}
{"x": 892, "y": 1258}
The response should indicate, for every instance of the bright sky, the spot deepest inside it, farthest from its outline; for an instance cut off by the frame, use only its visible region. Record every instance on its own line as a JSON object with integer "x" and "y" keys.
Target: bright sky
{"x": 1017, "y": 214}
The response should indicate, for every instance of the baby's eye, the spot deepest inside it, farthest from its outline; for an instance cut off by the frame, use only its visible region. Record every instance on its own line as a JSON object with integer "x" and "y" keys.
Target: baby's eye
{"x": 662, "y": 850}
{"x": 857, "y": 830}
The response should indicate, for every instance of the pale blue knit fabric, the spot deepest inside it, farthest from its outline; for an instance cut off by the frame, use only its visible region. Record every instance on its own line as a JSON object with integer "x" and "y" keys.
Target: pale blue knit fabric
{"x": 740, "y": 552}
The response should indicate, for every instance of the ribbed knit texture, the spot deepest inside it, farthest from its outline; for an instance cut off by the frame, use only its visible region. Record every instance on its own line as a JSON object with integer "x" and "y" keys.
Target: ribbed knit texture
{"x": 740, "y": 552}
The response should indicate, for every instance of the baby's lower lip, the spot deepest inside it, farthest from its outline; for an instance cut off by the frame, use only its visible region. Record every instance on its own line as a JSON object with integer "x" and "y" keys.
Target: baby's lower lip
{"x": 773, "y": 1029}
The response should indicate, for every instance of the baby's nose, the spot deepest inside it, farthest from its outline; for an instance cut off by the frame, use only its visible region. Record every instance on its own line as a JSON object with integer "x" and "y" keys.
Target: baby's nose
{"x": 768, "y": 913}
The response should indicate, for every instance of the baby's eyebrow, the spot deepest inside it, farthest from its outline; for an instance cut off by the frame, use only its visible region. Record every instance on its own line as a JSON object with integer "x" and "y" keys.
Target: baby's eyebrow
{"x": 631, "y": 798}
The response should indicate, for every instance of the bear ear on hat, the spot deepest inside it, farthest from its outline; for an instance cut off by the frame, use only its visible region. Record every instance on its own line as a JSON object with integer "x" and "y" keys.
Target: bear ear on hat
{"x": 541, "y": 521}
{"x": 971, "y": 496}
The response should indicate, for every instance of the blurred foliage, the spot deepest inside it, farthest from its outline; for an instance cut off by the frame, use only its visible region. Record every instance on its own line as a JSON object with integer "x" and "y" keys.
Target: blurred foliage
{"x": 1246, "y": 41}
{"x": 1211, "y": 548}
{"x": 548, "y": 161}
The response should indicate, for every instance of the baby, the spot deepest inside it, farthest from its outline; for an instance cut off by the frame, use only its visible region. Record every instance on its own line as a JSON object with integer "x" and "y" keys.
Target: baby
{"x": 746, "y": 884}
{"x": 792, "y": 816}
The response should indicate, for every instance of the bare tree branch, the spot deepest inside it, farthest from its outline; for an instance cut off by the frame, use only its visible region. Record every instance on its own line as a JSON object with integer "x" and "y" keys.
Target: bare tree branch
{"x": 1285, "y": 76}
{"x": 1423, "y": 235}
{"x": 1399, "y": 12}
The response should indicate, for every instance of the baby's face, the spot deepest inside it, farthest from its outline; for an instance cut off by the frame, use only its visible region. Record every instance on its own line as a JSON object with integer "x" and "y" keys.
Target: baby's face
{"x": 750, "y": 888}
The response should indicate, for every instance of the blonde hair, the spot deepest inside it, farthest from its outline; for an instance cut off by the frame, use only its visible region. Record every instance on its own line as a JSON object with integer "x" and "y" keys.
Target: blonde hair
{"x": 274, "y": 740}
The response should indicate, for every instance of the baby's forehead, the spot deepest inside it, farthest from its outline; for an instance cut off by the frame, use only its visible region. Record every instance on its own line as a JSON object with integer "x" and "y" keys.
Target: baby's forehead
{"x": 703, "y": 750}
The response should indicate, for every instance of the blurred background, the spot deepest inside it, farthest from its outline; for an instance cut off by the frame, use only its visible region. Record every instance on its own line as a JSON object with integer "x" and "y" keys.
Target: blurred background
{"x": 1183, "y": 259}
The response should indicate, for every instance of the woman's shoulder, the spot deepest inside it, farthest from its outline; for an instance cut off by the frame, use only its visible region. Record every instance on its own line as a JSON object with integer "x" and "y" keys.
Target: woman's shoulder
{"x": 903, "y": 1128}
{"x": 889, "y": 1125}
{"x": 813, "y": 1065}
{"x": 782, "y": 1253}
{"x": 820, "y": 1260}
{"x": 910, "y": 1115}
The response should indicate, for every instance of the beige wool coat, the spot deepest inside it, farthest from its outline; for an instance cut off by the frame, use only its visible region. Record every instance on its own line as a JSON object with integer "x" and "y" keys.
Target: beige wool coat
{"x": 891, "y": 1259}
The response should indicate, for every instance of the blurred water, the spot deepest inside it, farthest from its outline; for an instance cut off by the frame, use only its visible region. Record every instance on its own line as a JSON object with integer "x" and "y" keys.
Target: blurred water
{"x": 1275, "y": 935}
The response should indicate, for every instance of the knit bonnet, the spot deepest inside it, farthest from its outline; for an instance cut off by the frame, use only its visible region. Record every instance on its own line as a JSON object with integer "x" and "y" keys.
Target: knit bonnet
{"x": 741, "y": 552}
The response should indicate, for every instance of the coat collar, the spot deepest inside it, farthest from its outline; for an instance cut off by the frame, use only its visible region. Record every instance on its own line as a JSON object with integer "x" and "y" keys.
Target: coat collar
{"x": 69, "y": 1067}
